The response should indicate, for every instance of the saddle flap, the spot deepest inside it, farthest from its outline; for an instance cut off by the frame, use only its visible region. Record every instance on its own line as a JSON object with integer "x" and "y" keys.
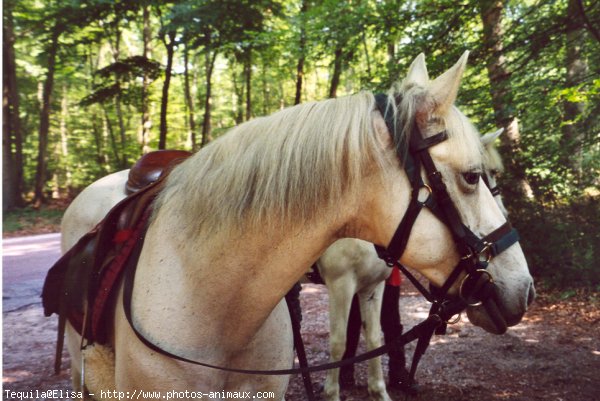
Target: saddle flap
{"x": 86, "y": 275}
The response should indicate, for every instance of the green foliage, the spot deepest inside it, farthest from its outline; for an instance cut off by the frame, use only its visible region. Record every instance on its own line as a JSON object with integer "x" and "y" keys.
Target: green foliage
{"x": 562, "y": 243}
{"x": 30, "y": 218}
{"x": 119, "y": 79}
{"x": 100, "y": 92}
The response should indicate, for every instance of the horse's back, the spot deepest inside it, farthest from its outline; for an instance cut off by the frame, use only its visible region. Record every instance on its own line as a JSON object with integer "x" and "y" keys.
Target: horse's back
{"x": 90, "y": 207}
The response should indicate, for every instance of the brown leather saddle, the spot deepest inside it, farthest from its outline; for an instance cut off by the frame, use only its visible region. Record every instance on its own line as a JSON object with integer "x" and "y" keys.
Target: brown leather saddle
{"x": 81, "y": 284}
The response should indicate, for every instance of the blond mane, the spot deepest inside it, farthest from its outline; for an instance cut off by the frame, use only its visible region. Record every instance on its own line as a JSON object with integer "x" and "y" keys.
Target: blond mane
{"x": 275, "y": 170}
{"x": 286, "y": 168}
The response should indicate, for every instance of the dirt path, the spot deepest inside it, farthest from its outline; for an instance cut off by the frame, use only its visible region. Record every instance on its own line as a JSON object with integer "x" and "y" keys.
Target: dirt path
{"x": 554, "y": 354}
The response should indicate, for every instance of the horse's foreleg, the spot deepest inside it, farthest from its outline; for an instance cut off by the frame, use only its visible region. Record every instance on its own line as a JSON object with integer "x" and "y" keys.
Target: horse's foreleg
{"x": 340, "y": 299}
{"x": 370, "y": 309}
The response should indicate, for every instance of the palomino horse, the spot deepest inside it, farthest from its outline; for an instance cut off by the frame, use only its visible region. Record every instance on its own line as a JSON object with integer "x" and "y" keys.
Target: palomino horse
{"x": 348, "y": 267}
{"x": 351, "y": 266}
{"x": 239, "y": 223}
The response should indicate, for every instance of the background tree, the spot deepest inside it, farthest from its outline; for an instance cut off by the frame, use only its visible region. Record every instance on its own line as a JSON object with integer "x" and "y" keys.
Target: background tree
{"x": 12, "y": 142}
{"x": 501, "y": 93}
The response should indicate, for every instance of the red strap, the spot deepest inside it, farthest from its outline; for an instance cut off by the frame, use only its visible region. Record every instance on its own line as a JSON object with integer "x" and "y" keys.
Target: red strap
{"x": 395, "y": 278}
{"x": 122, "y": 235}
{"x": 111, "y": 274}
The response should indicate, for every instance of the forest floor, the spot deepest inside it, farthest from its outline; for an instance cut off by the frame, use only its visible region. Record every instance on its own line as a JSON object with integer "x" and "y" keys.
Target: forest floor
{"x": 553, "y": 354}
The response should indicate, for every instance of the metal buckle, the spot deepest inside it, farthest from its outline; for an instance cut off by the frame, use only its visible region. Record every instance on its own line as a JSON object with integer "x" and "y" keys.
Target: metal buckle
{"x": 468, "y": 256}
{"x": 462, "y": 283}
{"x": 455, "y": 320}
{"x": 429, "y": 192}
{"x": 487, "y": 248}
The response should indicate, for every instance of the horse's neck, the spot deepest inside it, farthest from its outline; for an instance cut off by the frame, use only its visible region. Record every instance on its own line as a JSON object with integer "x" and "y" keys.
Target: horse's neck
{"x": 222, "y": 285}
{"x": 216, "y": 292}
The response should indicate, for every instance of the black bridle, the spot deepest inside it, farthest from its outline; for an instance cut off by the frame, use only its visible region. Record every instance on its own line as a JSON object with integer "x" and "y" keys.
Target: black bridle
{"x": 495, "y": 190}
{"x": 477, "y": 286}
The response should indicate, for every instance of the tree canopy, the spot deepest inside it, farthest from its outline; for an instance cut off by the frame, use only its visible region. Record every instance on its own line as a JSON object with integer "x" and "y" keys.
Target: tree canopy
{"x": 90, "y": 85}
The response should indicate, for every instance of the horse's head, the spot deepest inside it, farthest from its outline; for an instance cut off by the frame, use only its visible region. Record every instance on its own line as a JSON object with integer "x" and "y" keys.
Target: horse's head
{"x": 459, "y": 219}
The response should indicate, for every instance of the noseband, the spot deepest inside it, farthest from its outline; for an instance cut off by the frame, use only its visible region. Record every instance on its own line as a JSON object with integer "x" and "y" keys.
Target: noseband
{"x": 475, "y": 253}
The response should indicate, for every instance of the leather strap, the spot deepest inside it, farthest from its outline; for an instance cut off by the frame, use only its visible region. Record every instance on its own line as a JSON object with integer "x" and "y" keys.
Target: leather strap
{"x": 300, "y": 351}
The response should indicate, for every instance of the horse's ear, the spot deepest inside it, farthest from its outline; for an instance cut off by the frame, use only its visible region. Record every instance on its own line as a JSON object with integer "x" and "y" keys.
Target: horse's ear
{"x": 417, "y": 72}
{"x": 445, "y": 87}
{"x": 490, "y": 137}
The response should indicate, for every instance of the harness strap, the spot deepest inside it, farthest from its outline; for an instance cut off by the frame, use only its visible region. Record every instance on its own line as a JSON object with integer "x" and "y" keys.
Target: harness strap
{"x": 398, "y": 243}
{"x": 501, "y": 239}
{"x": 299, "y": 342}
{"x": 494, "y": 190}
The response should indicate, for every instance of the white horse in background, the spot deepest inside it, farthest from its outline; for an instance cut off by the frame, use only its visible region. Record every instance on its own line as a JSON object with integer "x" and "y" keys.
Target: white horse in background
{"x": 351, "y": 266}
{"x": 242, "y": 220}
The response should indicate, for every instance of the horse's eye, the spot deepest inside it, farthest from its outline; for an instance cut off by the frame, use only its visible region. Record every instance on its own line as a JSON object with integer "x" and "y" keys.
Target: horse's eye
{"x": 471, "y": 177}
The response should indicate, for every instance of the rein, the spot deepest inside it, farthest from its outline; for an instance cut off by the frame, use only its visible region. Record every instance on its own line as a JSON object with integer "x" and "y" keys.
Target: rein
{"x": 411, "y": 335}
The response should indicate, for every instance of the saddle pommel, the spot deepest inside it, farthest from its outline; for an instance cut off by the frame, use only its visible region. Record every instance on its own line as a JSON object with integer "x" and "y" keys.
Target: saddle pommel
{"x": 150, "y": 166}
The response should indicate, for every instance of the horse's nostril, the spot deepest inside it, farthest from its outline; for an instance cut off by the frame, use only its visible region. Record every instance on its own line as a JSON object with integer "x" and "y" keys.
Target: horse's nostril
{"x": 530, "y": 294}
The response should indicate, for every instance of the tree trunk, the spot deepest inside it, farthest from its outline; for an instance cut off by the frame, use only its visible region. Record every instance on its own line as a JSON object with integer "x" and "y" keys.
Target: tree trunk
{"x": 576, "y": 71}
{"x": 206, "y": 125}
{"x": 238, "y": 90}
{"x": 337, "y": 72}
{"x": 12, "y": 163}
{"x": 64, "y": 143}
{"x": 42, "y": 167}
{"x": 113, "y": 140}
{"x": 146, "y": 124}
{"x": 502, "y": 99}
{"x": 299, "y": 79}
{"x": 101, "y": 159}
{"x": 265, "y": 89}
{"x": 10, "y": 193}
{"x": 122, "y": 132}
{"x": 391, "y": 61}
{"x": 170, "y": 46}
{"x": 99, "y": 140}
{"x": 248, "y": 77}
{"x": 118, "y": 102}
{"x": 302, "y": 51}
{"x": 367, "y": 57}
{"x": 188, "y": 98}
{"x": 580, "y": 9}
